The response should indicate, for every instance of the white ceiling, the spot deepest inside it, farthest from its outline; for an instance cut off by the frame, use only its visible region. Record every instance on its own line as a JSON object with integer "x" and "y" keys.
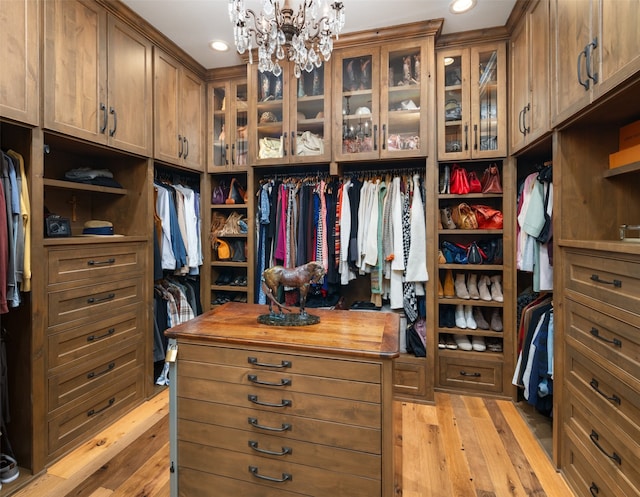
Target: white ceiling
{"x": 192, "y": 24}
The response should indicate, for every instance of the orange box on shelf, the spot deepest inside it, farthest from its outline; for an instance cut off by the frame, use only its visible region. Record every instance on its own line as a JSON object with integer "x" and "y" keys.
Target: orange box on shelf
{"x": 624, "y": 157}
{"x": 630, "y": 135}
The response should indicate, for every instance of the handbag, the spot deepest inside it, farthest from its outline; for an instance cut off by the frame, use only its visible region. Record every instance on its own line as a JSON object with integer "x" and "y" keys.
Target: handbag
{"x": 220, "y": 193}
{"x": 454, "y": 253}
{"x": 464, "y": 217}
{"x": 237, "y": 194}
{"x": 223, "y": 250}
{"x": 475, "y": 255}
{"x": 308, "y": 143}
{"x": 491, "y": 180}
{"x": 459, "y": 182}
{"x": 487, "y": 217}
{"x": 270, "y": 148}
{"x": 474, "y": 183}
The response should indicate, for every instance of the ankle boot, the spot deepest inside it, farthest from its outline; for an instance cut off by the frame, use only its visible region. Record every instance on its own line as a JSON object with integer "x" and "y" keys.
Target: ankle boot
{"x": 462, "y": 341}
{"x": 483, "y": 288}
{"x": 480, "y": 320}
{"x": 496, "y": 288}
{"x": 440, "y": 289}
{"x": 449, "y": 291}
{"x": 461, "y": 287}
{"x": 477, "y": 343}
{"x": 461, "y": 322}
{"x": 496, "y": 320}
{"x": 472, "y": 286}
{"x": 468, "y": 316}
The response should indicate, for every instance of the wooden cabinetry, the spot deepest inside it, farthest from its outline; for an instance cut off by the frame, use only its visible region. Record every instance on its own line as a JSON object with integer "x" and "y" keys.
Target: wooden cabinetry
{"x": 529, "y": 77}
{"x": 228, "y": 115}
{"x": 20, "y": 55}
{"x": 472, "y": 102}
{"x": 263, "y": 412}
{"x": 179, "y": 113}
{"x": 97, "y": 77}
{"x": 291, "y": 114}
{"x": 595, "y": 47}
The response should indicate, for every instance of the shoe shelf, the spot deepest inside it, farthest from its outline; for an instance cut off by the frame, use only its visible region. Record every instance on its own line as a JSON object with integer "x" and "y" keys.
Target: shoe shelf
{"x": 472, "y": 267}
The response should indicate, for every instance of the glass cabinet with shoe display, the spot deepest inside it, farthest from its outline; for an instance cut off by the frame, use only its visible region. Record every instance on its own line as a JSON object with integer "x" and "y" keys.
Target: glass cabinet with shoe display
{"x": 472, "y": 112}
{"x": 474, "y": 303}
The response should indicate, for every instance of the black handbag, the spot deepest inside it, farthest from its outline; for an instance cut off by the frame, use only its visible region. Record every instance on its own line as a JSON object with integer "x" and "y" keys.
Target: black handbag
{"x": 475, "y": 254}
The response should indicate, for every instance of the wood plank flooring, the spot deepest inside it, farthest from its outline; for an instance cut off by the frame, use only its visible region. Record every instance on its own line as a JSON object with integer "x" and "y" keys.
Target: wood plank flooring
{"x": 460, "y": 447}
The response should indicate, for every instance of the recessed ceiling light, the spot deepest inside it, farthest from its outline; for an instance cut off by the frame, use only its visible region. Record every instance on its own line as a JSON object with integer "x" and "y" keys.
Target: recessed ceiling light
{"x": 461, "y": 6}
{"x": 219, "y": 45}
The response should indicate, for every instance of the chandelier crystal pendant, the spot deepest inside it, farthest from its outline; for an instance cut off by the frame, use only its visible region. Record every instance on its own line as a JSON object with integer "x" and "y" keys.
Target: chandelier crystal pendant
{"x": 305, "y": 38}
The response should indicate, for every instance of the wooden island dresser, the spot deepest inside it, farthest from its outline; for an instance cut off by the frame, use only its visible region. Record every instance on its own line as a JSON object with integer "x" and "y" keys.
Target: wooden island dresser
{"x": 264, "y": 411}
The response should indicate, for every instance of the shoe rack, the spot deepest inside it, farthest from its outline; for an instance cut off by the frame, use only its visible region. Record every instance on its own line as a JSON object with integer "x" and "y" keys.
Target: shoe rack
{"x": 474, "y": 335}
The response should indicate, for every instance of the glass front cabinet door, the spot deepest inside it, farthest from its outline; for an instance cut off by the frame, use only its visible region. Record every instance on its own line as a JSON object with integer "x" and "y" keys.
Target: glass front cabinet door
{"x": 229, "y": 115}
{"x": 472, "y": 103}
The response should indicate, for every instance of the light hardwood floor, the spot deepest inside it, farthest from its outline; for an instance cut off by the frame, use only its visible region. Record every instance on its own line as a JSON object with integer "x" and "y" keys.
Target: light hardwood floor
{"x": 462, "y": 446}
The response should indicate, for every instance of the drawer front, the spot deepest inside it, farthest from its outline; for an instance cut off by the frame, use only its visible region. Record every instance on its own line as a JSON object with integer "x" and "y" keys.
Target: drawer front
{"x": 261, "y": 360}
{"x": 91, "y": 376}
{"x": 586, "y": 475}
{"x": 286, "y": 426}
{"x": 282, "y": 382}
{"x": 83, "y": 302}
{"x": 262, "y": 445}
{"x": 470, "y": 374}
{"x": 280, "y": 475}
{"x": 608, "y": 333}
{"x": 608, "y": 278}
{"x": 617, "y": 452}
{"x": 283, "y": 402}
{"x": 84, "y": 418}
{"x": 82, "y": 343}
{"x": 410, "y": 378}
{"x": 109, "y": 261}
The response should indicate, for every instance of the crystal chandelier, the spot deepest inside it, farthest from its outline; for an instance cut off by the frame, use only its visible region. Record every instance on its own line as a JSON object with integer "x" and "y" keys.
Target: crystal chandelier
{"x": 304, "y": 38}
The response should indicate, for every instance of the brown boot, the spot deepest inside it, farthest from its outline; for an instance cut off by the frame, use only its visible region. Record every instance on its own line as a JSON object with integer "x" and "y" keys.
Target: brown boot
{"x": 449, "y": 291}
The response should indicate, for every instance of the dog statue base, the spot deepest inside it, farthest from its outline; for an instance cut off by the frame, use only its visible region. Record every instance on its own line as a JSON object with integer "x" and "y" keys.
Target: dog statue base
{"x": 288, "y": 319}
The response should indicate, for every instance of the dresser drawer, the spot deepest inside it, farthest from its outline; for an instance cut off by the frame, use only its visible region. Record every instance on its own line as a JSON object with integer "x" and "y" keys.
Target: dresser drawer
{"x": 89, "y": 340}
{"x": 613, "y": 450}
{"x": 109, "y": 261}
{"x": 291, "y": 403}
{"x": 261, "y": 360}
{"x": 89, "y": 377}
{"x": 193, "y": 482}
{"x": 304, "y": 479}
{"x": 88, "y": 301}
{"x": 281, "y": 382}
{"x": 84, "y": 418}
{"x": 286, "y": 426}
{"x": 410, "y": 377}
{"x": 257, "y": 445}
{"x": 607, "y": 333}
{"x": 608, "y": 277}
{"x": 586, "y": 475}
{"x": 470, "y": 374}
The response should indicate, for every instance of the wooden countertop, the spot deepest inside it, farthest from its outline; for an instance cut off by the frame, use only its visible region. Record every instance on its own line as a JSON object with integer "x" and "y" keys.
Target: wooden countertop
{"x": 352, "y": 333}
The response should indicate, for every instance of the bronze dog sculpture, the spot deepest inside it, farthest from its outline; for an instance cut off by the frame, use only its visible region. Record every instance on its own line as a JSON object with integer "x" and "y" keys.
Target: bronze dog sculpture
{"x": 300, "y": 277}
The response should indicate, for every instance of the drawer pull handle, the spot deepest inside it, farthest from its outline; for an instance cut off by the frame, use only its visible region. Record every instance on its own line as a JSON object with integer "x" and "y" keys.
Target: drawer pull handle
{"x": 100, "y": 263}
{"x": 285, "y": 476}
{"x": 594, "y": 489}
{"x": 93, "y": 374}
{"x": 284, "y": 452}
{"x": 614, "y": 398}
{"x": 92, "y": 300}
{"x": 474, "y": 375}
{"x": 283, "y": 364}
{"x": 109, "y": 332}
{"x": 93, "y": 412}
{"x": 615, "y": 341}
{"x": 254, "y": 422}
{"x": 616, "y": 283}
{"x": 614, "y": 457}
{"x": 254, "y": 399}
{"x": 282, "y": 383}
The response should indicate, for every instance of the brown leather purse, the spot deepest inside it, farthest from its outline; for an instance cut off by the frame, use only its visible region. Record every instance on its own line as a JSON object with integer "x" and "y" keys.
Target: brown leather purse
{"x": 464, "y": 217}
{"x": 491, "y": 180}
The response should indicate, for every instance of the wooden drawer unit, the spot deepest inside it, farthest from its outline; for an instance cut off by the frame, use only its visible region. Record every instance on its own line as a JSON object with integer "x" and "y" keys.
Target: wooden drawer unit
{"x": 470, "y": 374}
{"x": 613, "y": 278}
{"x": 88, "y": 301}
{"x": 261, "y": 416}
{"x": 410, "y": 377}
{"x": 108, "y": 261}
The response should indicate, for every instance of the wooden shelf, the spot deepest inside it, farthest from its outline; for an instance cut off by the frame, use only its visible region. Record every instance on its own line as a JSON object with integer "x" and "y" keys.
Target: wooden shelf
{"x": 469, "y": 267}
{"x": 72, "y": 185}
{"x": 629, "y": 168}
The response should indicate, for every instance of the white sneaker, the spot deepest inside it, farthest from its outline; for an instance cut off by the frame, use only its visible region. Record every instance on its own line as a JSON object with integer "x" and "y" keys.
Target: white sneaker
{"x": 461, "y": 320}
{"x": 468, "y": 316}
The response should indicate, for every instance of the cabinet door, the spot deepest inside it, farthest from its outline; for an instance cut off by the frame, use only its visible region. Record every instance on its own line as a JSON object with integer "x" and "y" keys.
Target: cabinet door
{"x": 488, "y": 101}
{"x": 403, "y": 100}
{"x": 168, "y": 144}
{"x": 191, "y": 118}
{"x": 239, "y": 119}
{"x": 220, "y": 102}
{"x": 356, "y": 118}
{"x": 75, "y": 69}
{"x": 129, "y": 89}
{"x": 520, "y": 96}
{"x": 269, "y": 112}
{"x": 19, "y": 52}
{"x": 454, "y": 115}
{"x": 537, "y": 116}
